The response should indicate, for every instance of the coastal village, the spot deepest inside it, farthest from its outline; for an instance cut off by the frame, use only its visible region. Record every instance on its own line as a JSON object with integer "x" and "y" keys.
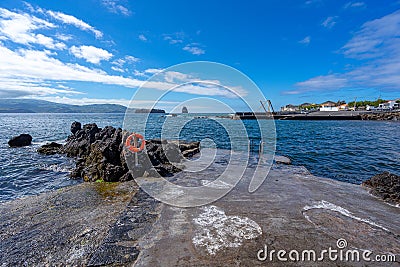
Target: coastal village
{"x": 378, "y": 105}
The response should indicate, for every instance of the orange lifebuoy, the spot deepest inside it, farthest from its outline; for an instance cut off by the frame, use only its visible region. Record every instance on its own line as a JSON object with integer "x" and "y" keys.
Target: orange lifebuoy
{"x": 133, "y": 148}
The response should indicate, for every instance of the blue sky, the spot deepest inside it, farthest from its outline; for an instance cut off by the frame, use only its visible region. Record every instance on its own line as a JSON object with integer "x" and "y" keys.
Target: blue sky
{"x": 100, "y": 51}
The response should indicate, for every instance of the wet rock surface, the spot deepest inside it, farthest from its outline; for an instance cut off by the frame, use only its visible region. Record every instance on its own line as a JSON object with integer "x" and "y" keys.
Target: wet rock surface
{"x": 120, "y": 247}
{"x": 386, "y": 186}
{"x": 50, "y": 149}
{"x": 20, "y": 140}
{"x": 61, "y": 228}
{"x": 101, "y": 154}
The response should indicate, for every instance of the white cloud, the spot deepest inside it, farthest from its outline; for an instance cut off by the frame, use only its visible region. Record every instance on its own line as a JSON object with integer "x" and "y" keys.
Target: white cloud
{"x": 146, "y": 73}
{"x": 64, "y": 37}
{"x": 132, "y": 59}
{"x": 117, "y": 69}
{"x": 138, "y": 73}
{"x": 375, "y": 38}
{"x": 115, "y": 7}
{"x": 84, "y": 100}
{"x": 153, "y": 71}
{"x": 177, "y": 77}
{"x": 377, "y": 47}
{"x": 194, "y": 49}
{"x": 68, "y": 19}
{"x": 142, "y": 38}
{"x": 179, "y": 38}
{"x": 314, "y": 2}
{"x": 120, "y": 63}
{"x": 24, "y": 70}
{"x": 354, "y": 4}
{"x": 320, "y": 83}
{"x": 172, "y": 40}
{"x": 38, "y": 71}
{"x": 49, "y": 42}
{"x": 20, "y": 28}
{"x": 40, "y": 66}
{"x": 306, "y": 40}
{"x": 175, "y": 38}
{"x": 16, "y": 87}
{"x": 90, "y": 53}
{"x": 329, "y": 22}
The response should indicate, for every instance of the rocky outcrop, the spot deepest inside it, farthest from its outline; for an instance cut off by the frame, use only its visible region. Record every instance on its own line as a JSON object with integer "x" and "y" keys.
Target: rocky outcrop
{"x": 282, "y": 160}
{"x": 50, "y": 149}
{"x": 75, "y": 126}
{"x": 386, "y": 186}
{"x": 101, "y": 154}
{"x": 383, "y": 116}
{"x": 20, "y": 140}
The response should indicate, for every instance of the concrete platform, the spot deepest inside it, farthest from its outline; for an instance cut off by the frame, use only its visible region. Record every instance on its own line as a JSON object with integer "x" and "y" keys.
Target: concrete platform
{"x": 119, "y": 225}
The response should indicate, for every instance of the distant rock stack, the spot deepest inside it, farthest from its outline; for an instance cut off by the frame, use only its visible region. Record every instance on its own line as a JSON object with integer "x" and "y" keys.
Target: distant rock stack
{"x": 185, "y": 110}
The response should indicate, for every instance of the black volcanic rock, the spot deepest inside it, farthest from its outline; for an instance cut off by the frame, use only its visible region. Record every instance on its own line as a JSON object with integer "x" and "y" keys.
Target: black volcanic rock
{"x": 75, "y": 126}
{"x": 101, "y": 154}
{"x": 50, "y": 149}
{"x": 386, "y": 186}
{"x": 20, "y": 140}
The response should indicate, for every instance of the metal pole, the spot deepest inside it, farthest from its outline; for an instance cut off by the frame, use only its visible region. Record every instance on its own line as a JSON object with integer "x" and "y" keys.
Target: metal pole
{"x": 135, "y": 143}
{"x": 261, "y": 151}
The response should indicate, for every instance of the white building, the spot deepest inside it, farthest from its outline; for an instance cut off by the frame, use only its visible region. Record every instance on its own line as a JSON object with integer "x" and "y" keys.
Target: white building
{"x": 370, "y": 108}
{"x": 290, "y": 108}
{"x": 391, "y": 104}
{"x": 328, "y": 106}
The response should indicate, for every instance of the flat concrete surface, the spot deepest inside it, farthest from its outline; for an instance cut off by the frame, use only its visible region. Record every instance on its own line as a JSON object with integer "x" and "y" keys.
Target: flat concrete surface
{"x": 119, "y": 225}
{"x": 295, "y": 211}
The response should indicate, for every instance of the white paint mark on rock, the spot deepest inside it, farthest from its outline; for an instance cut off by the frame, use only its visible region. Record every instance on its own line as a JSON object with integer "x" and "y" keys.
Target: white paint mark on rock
{"x": 217, "y": 230}
{"x": 323, "y": 204}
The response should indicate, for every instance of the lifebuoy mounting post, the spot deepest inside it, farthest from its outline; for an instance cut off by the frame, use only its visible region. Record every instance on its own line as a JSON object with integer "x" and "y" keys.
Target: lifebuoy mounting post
{"x": 134, "y": 147}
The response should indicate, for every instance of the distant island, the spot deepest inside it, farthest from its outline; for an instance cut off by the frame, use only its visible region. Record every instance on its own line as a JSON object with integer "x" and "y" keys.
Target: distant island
{"x": 185, "y": 110}
{"x": 41, "y": 106}
{"x": 145, "y": 110}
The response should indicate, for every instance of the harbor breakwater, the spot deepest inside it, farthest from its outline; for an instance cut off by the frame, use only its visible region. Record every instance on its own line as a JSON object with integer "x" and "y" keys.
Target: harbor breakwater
{"x": 322, "y": 115}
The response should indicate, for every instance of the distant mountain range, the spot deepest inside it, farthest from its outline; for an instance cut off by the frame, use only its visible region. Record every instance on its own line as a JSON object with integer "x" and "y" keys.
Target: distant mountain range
{"x": 41, "y": 106}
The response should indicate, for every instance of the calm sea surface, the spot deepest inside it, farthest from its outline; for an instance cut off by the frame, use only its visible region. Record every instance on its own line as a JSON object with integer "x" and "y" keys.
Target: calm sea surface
{"x": 350, "y": 151}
